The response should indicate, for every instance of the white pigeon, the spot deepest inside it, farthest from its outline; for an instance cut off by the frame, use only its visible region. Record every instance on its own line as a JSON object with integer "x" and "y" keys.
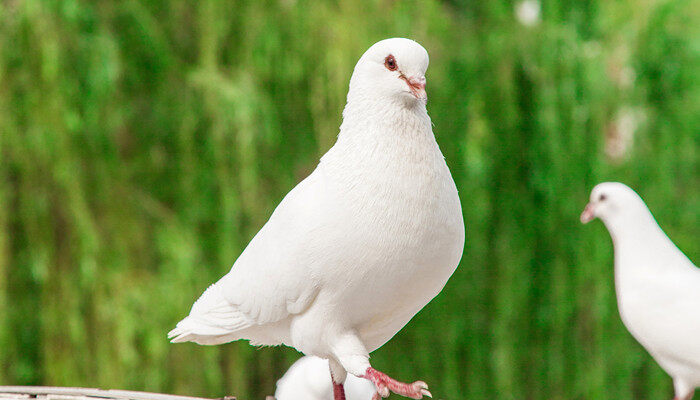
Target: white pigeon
{"x": 357, "y": 248}
{"x": 658, "y": 287}
{"x": 309, "y": 379}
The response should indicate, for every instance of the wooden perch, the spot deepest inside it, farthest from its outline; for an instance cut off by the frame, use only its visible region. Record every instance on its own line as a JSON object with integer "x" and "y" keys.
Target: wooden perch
{"x": 69, "y": 393}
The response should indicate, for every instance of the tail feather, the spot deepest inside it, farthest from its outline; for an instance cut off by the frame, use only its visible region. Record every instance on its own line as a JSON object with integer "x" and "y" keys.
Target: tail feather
{"x": 213, "y": 320}
{"x": 185, "y": 331}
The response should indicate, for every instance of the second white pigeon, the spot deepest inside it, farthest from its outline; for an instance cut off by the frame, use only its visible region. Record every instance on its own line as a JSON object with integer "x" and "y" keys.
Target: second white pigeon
{"x": 309, "y": 379}
{"x": 361, "y": 245}
{"x": 658, "y": 287}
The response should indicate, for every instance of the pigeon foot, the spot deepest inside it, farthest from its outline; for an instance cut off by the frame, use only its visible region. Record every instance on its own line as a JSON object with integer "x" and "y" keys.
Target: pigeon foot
{"x": 338, "y": 391}
{"x": 386, "y": 384}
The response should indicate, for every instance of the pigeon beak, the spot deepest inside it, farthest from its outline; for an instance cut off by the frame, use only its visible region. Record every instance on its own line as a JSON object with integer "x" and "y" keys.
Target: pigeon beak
{"x": 417, "y": 86}
{"x": 588, "y": 214}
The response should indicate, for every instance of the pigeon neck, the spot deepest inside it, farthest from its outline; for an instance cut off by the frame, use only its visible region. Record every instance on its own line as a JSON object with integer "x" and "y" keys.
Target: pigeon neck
{"x": 636, "y": 230}
{"x": 382, "y": 118}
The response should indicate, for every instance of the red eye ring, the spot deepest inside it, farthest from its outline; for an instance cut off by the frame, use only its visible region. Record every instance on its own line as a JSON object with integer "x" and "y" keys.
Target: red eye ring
{"x": 390, "y": 63}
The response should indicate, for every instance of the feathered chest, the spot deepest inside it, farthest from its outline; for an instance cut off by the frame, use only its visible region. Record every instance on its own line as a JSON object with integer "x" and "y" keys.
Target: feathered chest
{"x": 404, "y": 198}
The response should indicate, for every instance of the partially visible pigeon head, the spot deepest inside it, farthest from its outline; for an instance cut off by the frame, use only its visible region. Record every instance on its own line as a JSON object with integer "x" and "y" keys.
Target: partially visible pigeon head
{"x": 612, "y": 200}
{"x": 392, "y": 70}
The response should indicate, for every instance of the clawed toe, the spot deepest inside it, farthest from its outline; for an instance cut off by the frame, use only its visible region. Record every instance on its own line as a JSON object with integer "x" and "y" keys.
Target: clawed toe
{"x": 385, "y": 385}
{"x": 383, "y": 391}
{"x": 420, "y": 389}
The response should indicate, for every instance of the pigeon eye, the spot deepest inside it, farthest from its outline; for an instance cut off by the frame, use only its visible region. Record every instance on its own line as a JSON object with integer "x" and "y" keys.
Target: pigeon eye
{"x": 390, "y": 63}
{"x": 602, "y": 197}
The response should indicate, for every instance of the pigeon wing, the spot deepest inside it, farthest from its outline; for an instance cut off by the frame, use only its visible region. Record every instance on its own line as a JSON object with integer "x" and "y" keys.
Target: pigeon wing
{"x": 678, "y": 318}
{"x": 269, "y": 281}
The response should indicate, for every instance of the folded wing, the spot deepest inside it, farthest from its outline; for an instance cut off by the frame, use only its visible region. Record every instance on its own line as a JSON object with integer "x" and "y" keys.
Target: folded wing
{"x": 269, "y": 281}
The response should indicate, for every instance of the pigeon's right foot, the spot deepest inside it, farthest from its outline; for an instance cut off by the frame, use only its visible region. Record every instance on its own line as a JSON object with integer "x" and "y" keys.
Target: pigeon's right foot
{"x": 386, "y": 384}
{"x": 338, "y": 391}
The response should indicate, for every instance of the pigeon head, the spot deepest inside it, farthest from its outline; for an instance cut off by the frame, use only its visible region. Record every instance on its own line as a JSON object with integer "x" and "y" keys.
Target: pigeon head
{"x": 612, "y": 201}
{"x": 392, "y": 70}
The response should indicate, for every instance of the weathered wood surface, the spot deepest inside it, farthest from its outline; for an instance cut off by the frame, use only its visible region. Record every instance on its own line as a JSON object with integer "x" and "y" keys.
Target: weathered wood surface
{"x": 69, "y": 393}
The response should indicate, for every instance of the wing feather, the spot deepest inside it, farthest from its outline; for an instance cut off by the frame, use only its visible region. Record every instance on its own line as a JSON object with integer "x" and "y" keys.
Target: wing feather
{"x": 267, "y": 283}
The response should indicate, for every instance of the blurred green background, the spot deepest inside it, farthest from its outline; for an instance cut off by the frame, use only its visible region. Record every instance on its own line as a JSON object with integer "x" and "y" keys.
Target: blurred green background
{"x": 143, "y": 143}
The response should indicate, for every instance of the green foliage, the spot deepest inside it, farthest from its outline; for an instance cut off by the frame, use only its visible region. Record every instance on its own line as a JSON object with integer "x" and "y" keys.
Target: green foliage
{"x": 143, "y": 143}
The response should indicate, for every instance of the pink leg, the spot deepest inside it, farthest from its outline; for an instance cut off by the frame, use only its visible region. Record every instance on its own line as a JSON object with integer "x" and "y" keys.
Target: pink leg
{"x": 338, "y": 391}
{"x": 384, "y": 384}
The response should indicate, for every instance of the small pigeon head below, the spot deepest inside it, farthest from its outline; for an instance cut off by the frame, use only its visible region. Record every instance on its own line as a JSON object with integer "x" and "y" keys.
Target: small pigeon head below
{"x": 611, "y": 200}
{"x": 393, "y": 70}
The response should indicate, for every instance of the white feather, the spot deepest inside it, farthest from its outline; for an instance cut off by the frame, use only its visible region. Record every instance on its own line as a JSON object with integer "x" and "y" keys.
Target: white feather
{"x": 658, "y": 287}
{"x": 309, "y": 379}
{"x": 360, "y": 246}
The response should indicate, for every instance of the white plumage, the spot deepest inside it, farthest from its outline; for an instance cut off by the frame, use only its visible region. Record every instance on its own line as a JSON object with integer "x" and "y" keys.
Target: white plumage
{"x": 309, "y": 379}
{"x": 658, "y": 287}
{"x": 356, "y": 249}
